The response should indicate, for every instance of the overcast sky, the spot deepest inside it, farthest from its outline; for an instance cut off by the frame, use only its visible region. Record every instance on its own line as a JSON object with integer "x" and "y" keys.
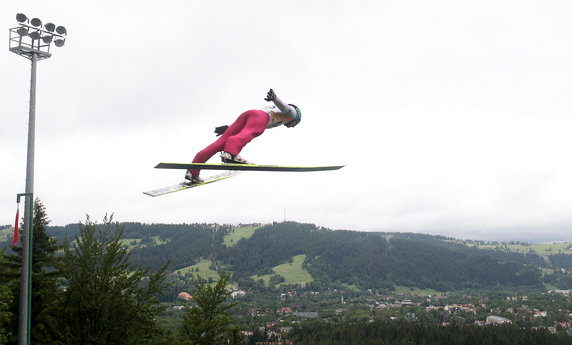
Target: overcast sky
{"x": 452, "y": 117}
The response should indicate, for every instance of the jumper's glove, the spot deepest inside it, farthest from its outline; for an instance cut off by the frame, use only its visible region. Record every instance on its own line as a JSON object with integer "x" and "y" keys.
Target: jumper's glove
{"x": 220, "y": 130}
{"x": 270, "y": 96}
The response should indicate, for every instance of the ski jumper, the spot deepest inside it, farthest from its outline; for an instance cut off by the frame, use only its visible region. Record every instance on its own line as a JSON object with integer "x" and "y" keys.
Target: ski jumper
{"x": 247, "y": 126}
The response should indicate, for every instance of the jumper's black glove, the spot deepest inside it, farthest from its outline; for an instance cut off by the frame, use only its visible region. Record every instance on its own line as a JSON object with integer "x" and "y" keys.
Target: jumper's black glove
{"x": 270, "y": 96}
{"x": 220, "y": 130}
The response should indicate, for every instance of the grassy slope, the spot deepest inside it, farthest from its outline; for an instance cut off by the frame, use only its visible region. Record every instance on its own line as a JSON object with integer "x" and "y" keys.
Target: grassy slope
{"x": 416, "y": 291}
{"x": 129, "y": 242}
{"x": 293, "y": 272}
{"x": 134, "y": 242}
{"x": 158, "y": 240}
{"x": 203, "y": 270}
{"x": 538, "y": 248}
{"x": 238, "y": 233}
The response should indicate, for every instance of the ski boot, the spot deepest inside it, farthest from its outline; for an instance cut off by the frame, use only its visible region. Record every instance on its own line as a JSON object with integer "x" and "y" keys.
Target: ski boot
{"x": 193, "y": 180}
{"x": 227, "y": 158}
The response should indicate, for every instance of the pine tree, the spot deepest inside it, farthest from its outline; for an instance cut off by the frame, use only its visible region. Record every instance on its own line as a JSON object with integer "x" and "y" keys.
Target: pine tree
{"x": 106, "y": 300}
{"x": 208, "y": 321}
{"x": 45, "y": 262}
{"x": 44, "y": 271}
{"x": 6, "y": 315}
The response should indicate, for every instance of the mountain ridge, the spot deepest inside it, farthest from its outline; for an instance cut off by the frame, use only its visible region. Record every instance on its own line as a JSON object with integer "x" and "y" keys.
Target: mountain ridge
{"x": 366, "y": 260}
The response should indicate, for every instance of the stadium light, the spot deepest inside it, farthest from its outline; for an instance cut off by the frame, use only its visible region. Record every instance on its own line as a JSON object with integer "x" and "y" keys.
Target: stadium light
{"x": 32, "y": 37}
{"x": 47, "y": 38}
{"x": 22, "y": 31}
{"x": 35, "y": 22}
{"x": 32, "y": 40}
{"x": 21, "y": 17}
{"x": 61, "y": 30}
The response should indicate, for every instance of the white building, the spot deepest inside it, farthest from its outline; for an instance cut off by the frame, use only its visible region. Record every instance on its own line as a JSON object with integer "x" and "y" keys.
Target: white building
{"x": 497, "y": 320}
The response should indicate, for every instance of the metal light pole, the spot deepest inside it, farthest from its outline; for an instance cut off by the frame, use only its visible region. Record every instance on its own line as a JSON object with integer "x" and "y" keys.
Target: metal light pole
{"x": 32, "y": 40}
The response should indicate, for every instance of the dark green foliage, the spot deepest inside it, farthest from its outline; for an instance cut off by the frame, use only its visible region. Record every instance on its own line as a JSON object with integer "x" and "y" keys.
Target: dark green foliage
{"x": 207, "y": 321}
{"x": 45, "y": 267}
{"x": 105, "y": 300}
{"x": 398, "y": 333}
{"x": 44, "y": 272}
{"x": 6, "y": 300}
{"x": 185, "y": 245}
{"x": 9, "y": 286}
{"x": 365, "y": 259}
{"x": 559, "y": 279}
{"x": 270, "y": 246}
{"x": 561, "y": 261}
{"x": 371, "y": 260}
{"x": 185, "y": 242}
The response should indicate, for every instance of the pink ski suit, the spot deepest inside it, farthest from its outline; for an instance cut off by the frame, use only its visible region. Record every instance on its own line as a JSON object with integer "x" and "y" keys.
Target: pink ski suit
{"x": 248, "y": 126}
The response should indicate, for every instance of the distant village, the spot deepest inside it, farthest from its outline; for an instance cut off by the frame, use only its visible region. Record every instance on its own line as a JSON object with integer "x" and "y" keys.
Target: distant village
{"x": 411, "y": 309}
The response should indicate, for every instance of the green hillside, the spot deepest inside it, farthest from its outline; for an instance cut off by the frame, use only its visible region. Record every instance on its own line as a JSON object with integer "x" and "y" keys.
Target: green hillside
{"x": 544, "y": 249}
{"x": 292, "y": 272}
{"x": 294, "y": 253}
{"x": 380, "y": 260}
{"x": 131, "y": 242}
{"x": 236, "y": 234}
{"x": 202, "y": 268}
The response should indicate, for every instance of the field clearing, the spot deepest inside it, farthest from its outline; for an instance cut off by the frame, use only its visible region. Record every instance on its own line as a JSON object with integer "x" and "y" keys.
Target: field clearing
{"x": 130, "y": 243}
{"x": 158, "y": 240}
{"x": 237, "y": 234}
{"x": 202, "y": 269}
{"x": 134, "y": 242}
{"x": 416, "y": 291}
{"x": 293, "y": 272}
{"x": 538, "y": 248}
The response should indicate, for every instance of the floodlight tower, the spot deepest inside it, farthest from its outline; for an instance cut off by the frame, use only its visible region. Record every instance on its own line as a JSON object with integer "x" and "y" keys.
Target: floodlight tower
{"x": 32, "y": 40}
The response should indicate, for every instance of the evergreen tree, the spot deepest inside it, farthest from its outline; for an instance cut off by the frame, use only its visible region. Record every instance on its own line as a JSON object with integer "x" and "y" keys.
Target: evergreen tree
{"x": 106, "y": 300}
{"x": 44, "y": 271}
{"x": 208, "y": 321}
{"x": 6, "y": 316}
{"x": 45, "y": 262}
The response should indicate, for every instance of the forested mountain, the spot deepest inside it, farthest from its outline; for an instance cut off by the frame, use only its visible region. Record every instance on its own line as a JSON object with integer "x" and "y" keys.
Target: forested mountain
{"x": 362, "y": 259}
{"x": 374, "y": 260}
